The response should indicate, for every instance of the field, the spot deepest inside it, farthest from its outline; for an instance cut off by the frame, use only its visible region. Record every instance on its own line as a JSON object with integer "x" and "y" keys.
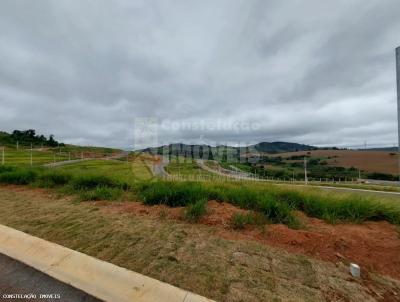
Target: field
{"x": 369, "y": 161}
{"x": 202, "y": 258}
{"x": 228, "y": 240}
{"x": 22, "y": 156}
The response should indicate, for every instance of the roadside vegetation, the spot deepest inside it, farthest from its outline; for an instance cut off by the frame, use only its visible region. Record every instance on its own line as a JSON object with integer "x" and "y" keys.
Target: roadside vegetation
{"x": 276, "y": 204}
{"x": 186, "y": 255}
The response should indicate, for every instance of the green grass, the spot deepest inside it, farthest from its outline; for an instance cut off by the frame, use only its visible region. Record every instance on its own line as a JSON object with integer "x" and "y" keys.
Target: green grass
{"x": 120, "y": 171}
{"x": 195, "y": 211}
{"x": 22, "y": 176}
{"x": 239, "y": 221}
{"x": 22, "y": 157}
{"x": 276, "y": 204}
{"x": 106, "y": 179}
{"x": 192, "y": 257}
{"x": 52, "y": 179}
{"x": 100, "y": 193}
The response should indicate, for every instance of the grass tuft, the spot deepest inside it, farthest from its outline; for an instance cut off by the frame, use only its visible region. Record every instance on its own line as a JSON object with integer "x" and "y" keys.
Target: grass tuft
{"x": 100, "y": 193}
{"x": 195, "y": 211}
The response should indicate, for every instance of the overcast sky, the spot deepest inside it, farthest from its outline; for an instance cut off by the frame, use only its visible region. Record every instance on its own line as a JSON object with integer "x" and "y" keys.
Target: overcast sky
{"x": 307, "y": 71}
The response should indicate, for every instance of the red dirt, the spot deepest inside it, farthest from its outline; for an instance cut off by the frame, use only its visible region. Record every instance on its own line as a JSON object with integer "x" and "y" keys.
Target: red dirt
{"x": 375, "y": 246}
{"x": 370, "y": 161}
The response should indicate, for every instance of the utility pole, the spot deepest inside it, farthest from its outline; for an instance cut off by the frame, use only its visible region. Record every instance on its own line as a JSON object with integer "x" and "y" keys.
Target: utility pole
{"x": 17, "y": 145}
{"x": 2, "y": 157}
{"x": 31, "y": 155}
{"x": 398, "y": 101}
{"x": 305, "y": 170}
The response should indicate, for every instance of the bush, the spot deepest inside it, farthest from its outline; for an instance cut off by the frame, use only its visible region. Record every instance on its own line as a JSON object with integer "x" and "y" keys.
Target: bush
{"x": 195, "y": 211}
{"x": 18, "y": 177}
{"x": 101, "y": 193}
{"x": 53, "y": 179}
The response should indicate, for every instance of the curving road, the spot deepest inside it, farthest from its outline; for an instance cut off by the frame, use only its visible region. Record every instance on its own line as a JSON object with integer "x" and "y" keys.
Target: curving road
{"x": 247, "y": 176}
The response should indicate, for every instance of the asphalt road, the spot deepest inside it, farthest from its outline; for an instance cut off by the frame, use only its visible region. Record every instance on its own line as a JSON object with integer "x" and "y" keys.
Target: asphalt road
{"x": 158, "y": 168}
{"x": 18, "y": 278}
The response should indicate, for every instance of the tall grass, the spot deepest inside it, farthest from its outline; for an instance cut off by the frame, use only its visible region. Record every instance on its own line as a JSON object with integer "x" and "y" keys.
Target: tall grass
{"x": 101, "y": 193}
{"x": 172, "y": 194}
{"x": 274, "y": 203}
{"x": 21, "y": 176}
{"x": 51, "y": 179}
{"x": 195, "y": 211}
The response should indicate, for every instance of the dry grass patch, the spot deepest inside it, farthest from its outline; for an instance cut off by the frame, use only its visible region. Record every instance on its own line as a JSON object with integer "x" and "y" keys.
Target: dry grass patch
{"x": 183, "y": 254}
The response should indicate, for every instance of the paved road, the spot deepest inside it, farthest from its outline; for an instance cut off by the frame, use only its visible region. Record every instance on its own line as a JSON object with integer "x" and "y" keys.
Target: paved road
{"x": 18, "y": 278}
{"x": 159, "y": 167}
{"x": 245, "y": 176}
{"x": 73, "y": 161}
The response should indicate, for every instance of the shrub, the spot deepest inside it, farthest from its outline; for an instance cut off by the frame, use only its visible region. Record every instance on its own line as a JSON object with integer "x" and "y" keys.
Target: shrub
{"x": 195, "y": 211}
{"x": 100, "y": 193}
{"x": 18, "y": 177}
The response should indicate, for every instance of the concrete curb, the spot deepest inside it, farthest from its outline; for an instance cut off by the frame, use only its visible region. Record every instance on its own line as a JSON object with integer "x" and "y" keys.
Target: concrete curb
{"x": 100, "y": 279}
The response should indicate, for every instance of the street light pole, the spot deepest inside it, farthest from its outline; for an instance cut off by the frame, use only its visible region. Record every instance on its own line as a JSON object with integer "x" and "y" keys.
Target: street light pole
{"x": 398, "y": 101}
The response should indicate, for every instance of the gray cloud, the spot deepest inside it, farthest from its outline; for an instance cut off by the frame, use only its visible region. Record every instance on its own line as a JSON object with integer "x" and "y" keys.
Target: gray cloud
{"x": 317, "y": 72}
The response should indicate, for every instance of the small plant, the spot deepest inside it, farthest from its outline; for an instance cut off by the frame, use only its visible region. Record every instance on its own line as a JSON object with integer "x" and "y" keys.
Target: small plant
{"x": 239, "y": 221}
{"x": 100, "y": 193}
{"x": 162, "y": 214}
{"x": 195, "y": 211}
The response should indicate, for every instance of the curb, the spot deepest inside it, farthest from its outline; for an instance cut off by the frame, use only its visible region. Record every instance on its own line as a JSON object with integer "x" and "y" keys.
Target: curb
{"x": 100, "y": 279}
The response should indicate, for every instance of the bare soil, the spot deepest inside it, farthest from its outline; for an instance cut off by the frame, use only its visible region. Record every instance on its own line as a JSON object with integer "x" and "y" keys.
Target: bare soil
{"x": 369, "y": 161}
{"x": 375, "y": 246}
{"x": 199, "y": 257}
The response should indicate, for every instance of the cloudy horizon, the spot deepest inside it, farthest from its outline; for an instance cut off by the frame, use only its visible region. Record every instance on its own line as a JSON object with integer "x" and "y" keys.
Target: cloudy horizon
{"x": 311, "y": 72}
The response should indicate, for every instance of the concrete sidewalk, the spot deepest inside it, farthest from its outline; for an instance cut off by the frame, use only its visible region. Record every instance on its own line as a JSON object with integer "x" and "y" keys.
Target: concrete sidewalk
{"x": 100, "y": 279}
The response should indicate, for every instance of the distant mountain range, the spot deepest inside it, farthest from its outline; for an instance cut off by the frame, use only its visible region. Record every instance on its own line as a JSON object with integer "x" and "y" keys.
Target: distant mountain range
{"x": 196, "y": 151}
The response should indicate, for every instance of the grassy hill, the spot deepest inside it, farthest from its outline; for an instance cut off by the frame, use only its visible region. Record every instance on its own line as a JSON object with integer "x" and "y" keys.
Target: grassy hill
{"x": 220, "y": 152}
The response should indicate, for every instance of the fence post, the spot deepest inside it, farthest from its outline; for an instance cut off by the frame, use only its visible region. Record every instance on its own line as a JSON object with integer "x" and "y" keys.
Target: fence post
{"x": 31, "y": 155}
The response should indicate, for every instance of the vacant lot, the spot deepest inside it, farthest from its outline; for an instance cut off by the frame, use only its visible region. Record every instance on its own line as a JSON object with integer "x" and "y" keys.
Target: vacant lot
{"x": 193, "y": 256}
{"x": 369, "y": 161}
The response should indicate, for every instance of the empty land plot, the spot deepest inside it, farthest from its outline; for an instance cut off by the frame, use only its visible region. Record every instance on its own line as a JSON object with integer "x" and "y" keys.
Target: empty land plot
{"x": 191, "y": 256}
{"x": 369, "y": 161}
{"x": 119, "y": 170}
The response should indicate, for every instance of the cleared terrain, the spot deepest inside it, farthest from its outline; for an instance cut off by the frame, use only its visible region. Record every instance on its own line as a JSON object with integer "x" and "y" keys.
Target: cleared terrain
{"x": 370, "y": 161}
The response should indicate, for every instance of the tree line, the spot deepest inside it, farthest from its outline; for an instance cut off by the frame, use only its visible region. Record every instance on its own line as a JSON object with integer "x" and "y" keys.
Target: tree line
{"x": 28, "y": 137}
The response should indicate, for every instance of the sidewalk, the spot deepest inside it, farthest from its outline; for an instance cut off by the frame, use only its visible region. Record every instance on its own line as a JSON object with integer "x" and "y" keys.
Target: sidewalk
{"x": 100, "y": 279}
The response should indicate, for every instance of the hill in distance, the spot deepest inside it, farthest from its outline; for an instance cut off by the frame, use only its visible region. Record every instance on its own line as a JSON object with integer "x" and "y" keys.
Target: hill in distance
{"x": 196, "y": 151}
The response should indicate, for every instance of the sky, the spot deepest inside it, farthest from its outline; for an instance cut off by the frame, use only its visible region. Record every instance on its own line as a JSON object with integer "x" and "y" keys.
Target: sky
{"x": 134, "y": 73}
